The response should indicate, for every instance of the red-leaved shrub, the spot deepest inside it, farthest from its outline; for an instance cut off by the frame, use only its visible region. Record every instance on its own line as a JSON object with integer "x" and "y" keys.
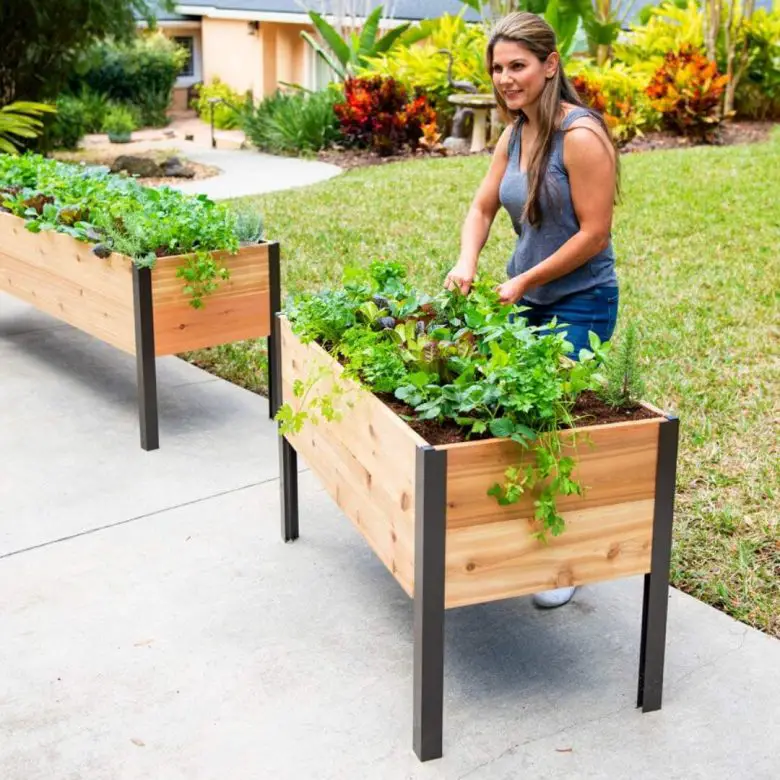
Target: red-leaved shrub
{"x": 378, "y": 114}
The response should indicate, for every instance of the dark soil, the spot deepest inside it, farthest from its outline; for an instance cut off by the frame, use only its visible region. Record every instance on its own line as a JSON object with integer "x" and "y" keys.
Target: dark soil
{"x": 588, "y": 410}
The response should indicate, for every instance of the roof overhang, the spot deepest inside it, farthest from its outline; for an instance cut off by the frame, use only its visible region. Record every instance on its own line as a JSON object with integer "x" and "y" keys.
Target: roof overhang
{"x": 268, "y": 16}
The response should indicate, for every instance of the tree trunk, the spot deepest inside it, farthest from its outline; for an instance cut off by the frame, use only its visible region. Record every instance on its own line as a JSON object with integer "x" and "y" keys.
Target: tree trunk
{"x": 712, "y": 16}
{"x": 735, "y": 66}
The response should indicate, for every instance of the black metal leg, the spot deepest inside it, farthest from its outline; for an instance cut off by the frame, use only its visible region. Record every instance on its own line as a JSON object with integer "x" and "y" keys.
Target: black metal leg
{"x": 274, "y": 278}
{"x": 288, "y": 457}
{"x": 288, "y": 486}
{"x": 656, "y": 592}
{"x": 145, "y": 359}
{"x": 430, "y": 523}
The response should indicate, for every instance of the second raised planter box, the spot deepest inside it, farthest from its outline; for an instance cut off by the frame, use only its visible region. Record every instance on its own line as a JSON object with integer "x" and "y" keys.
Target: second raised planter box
{"x": 141, "y": 311}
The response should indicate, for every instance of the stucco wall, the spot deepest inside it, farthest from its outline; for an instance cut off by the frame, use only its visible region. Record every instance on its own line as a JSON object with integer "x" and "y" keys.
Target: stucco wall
{"x": 233, "y": 53}
{"x": 246, "y": 58}
{"x": 290, "y": 53}
{"x": 256, "y": 62}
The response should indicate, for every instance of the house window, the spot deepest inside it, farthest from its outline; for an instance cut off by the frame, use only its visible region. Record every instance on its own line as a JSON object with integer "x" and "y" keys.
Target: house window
{"x": 187, "y": 42}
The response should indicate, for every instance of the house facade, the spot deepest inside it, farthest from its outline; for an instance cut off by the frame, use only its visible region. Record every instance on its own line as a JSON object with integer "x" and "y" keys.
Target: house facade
{"x": 256, "y": 45}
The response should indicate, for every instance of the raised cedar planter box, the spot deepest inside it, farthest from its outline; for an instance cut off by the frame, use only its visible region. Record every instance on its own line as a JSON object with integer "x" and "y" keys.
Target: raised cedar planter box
{"x": 426, "y": 513}
{"x": 142, "y": 312}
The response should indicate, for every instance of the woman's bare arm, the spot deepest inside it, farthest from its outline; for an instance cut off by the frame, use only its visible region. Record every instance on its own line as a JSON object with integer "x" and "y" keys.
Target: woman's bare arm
{"x": 479, "y": 219}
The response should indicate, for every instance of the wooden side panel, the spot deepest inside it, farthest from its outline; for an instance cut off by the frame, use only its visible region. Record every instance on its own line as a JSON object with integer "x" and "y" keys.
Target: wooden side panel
{"x": 240, "y": 307}
{"x": 60, "y": 276}
{"x": 366, "y": 461}
{"x": 499, "y": 560}
{"x": 491, "y": 553}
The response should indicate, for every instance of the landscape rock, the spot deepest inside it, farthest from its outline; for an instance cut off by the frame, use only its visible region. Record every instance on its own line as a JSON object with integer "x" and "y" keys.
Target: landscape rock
{"x": 173, "y": 166}
{"x": 142, "y": 167}
{"x": 460, "y": 145}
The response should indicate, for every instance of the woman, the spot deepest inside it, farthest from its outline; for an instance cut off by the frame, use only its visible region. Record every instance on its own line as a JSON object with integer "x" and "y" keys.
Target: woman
{"x": 555, "y": 171}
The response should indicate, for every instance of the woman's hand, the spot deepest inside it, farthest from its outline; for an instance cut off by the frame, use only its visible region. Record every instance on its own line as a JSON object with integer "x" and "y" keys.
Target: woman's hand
{"x": 512, "y": 290}
{"x": 461, "y": 277}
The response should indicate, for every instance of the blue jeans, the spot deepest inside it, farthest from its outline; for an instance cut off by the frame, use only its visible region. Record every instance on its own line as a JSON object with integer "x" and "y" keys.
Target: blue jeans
{"x": 594, "y": 309}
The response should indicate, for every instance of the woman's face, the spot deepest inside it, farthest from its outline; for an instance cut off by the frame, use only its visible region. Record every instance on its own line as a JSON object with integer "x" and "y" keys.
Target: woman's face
{"x": 519, "y": 75}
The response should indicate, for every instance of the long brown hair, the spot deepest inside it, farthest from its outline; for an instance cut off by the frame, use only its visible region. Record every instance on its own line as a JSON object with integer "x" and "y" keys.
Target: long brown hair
{"x": 535, "y": 34}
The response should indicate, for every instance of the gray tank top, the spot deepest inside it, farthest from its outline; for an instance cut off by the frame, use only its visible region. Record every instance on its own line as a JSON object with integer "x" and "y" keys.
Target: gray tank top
{"x": 559, "y": 223}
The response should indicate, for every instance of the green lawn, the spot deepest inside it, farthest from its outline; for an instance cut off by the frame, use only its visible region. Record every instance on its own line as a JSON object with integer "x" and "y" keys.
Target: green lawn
{"x": 697, "y": 237}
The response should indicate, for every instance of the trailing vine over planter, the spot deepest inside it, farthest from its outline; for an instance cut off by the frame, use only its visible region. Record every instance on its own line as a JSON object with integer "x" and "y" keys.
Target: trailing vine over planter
{"x": 117, "y": 214}
{"x": 469, "y": 363}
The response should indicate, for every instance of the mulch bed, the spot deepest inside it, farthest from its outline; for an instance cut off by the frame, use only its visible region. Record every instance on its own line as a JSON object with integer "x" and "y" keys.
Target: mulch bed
{"x": 588, "y": 410}
{"x": 362, "y": 158}
{"x": 740, "y": 132}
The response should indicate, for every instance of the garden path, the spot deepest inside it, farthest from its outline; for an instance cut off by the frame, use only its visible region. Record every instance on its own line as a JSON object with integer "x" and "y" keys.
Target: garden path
{"x": 244, "y": 171}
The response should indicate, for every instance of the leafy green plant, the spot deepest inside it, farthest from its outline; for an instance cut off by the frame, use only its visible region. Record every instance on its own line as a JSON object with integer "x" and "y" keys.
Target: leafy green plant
{"x": 117, "y": 214}
{"x": 141, "y": 72}
{"x": 228, "y": 112}
{"x": 68, "y": 127}
{"x": 564, "y": 16}
{"x": 118, "y": 121}
{"x": 344, "y": 55}
{"x": 416, "y": 62}
{"x": 19, "y": 121}
{"x": 249, "y": 223}
{"x": 94, "y": 106}
{"x": 42, "y": 43}
{"x": 298, "y": 121}
{"x": 669, "y": 27}
{"x": 758, "y": 92}
{"x": 623, "y": 386}
{"x": 469, "y": 360}
{"x": 201, "y": 274}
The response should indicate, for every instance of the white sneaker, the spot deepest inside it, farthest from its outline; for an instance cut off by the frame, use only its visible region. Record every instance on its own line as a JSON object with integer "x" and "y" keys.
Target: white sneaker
{"x": 553, "y": 598}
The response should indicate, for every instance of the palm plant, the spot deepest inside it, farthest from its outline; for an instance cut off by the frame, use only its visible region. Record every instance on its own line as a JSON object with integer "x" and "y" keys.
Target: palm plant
{"x": 20, "y": 120}
{"x": 344, "y": 55}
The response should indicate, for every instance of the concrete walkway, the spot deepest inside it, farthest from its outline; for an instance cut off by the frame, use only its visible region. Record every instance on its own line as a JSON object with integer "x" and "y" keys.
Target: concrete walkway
{"x": 244, "y": 171}
{"x": 153, "y": 626}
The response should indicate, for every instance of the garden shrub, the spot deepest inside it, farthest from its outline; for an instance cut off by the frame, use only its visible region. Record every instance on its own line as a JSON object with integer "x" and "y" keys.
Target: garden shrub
{"x": 377, "y": 114}
{"x": 758, "y": 92}
{"x": 142, "y": 73}
{"x": 299, "y": 121}
{"x": 675, "y": 23}
{"x": 119, "y": 120}
{"x": 416, "y": 63}
{"x": 686, "y": 90}
{"x": 67, "y": 127}
{"x": 619, "y": 93}
{"x": 94, "y": 107}
{"x": 226, "y": 117}
{"x": 669, "y": 27}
